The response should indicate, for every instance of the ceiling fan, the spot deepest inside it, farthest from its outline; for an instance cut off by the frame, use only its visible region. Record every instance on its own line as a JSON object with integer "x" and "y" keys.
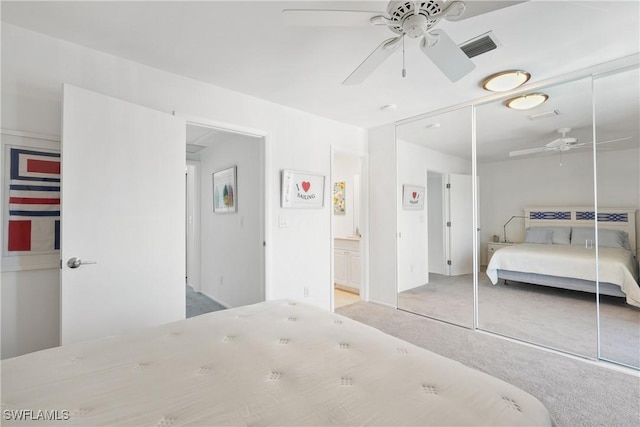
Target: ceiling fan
{"x": 564, "y": 143}
{"x": 405, "y": 18}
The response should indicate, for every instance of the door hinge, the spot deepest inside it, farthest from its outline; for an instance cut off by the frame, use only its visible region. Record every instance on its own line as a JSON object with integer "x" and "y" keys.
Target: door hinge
{"x": 448, "y": 223}
{"x": 448, "y": 262}
{"x": 60, "y": 264}
{"x": 264, "y": 244}
{"x": 448, "y": 185}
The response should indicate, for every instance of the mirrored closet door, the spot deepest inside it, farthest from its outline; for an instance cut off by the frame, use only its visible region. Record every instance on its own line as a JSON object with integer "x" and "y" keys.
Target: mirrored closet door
{"x": 435, "y": 217}
{"x": 536, "y": 174}
{"x": 617, "y": 102}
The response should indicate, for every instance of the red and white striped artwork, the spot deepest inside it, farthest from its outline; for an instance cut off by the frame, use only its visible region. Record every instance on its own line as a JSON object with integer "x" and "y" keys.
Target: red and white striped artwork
{"x": 34, "y": 201}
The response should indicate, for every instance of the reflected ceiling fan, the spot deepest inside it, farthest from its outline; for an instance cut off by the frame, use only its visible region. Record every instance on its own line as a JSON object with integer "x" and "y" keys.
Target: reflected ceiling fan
{"x": 564, "y": 143}
{"x": 405, "y": 18}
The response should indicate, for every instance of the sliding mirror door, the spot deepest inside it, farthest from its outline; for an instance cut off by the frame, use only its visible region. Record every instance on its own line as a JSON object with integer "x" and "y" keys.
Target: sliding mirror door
{"x": 435, "y": 217}
{"x": 617, "y": 102}
{"x": 535, "y": 171}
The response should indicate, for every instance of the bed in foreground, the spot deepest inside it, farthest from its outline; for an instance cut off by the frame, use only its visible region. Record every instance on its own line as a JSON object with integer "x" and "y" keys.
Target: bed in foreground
{"x": 272, "y": 363}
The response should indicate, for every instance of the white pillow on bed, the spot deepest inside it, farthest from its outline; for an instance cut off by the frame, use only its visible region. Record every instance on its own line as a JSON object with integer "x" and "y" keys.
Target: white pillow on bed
{"x": 539, "y": 235}
{"x": 606, "y": 238}
{"x": 560, "y": 235}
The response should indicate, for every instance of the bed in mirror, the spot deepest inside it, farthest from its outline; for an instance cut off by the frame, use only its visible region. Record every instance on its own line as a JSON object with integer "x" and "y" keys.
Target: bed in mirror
{"x": 541, "y": 158}
{"x": 435, "y": 238}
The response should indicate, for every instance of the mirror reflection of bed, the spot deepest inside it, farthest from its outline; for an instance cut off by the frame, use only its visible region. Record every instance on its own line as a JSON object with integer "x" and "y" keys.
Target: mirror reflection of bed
{"x": 518, "y": 165}
{"x": 553, "y": 270}
{"x": 575, "y": 321}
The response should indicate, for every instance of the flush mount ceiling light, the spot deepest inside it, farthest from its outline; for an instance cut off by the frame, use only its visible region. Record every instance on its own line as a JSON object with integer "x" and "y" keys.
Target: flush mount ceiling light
{"x": 526, "y": 102}
{"x": 505, "y": 80}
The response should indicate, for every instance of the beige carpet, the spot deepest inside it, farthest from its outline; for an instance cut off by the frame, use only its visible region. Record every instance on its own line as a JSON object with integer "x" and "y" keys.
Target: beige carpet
{"x": 576, "y": 392}
{"x": 556, "y": 318}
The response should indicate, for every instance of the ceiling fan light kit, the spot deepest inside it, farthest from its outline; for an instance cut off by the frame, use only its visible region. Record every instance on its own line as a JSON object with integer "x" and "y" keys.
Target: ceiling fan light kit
{"x": 505, "y": 80}
{"x": 526, "y": 102}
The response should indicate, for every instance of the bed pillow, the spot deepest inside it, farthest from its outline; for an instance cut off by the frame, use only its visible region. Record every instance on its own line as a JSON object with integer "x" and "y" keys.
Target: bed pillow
{"x": 606, "y": 238}
{"x": 539, "y": 235}
{"x": 560, "y": 236}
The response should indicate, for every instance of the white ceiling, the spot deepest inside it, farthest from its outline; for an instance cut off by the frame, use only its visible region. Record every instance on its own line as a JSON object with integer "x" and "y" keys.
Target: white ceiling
{"x": 245, "y": 46}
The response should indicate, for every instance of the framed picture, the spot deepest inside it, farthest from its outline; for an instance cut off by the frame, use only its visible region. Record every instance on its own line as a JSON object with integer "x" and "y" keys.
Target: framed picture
{"x": 225, "y": 191}
{"x": 302, "y": 189}
{"x": 31, "y": 201}
{"x": 412, "y": 197}
{"x": 339, "y": 198}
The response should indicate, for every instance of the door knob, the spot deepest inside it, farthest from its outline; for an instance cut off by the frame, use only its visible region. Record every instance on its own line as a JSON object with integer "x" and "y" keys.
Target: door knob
{"x": 76, "y": 262}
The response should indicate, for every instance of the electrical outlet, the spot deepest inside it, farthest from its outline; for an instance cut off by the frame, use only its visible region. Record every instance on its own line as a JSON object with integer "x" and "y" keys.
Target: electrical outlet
{"x": 306, "y": 292}
{"x": 222, "y": 280}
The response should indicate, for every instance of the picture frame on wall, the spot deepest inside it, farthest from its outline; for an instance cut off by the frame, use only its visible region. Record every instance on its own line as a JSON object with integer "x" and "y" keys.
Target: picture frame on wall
{"x": 31, "y": 179}
{"x": 413, "y": 197}
{"x": 339, "y": 196}
{"x": 303, "y": 190}
{"x": 225, "y": 190}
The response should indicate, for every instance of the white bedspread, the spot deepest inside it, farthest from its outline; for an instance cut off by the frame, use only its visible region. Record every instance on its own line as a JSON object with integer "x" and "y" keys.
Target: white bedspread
{"x": 616, "y": 265}
{"x": 273, "y": 363}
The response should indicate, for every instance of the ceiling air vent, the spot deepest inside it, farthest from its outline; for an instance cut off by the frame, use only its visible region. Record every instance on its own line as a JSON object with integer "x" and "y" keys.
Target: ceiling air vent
{"x": 544, "y": 115}
{"x": 479, "y": 45}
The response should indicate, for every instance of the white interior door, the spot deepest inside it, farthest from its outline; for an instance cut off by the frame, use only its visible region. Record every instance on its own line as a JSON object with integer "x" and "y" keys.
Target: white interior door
{"x": 123, "y": 207}
{"x": 461, "y": 229}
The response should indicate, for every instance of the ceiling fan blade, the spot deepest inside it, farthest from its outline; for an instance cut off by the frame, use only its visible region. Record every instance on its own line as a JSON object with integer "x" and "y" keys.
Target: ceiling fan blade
{"x": 611, "y": 140}
{"x": 446, "y": 55}
{"x": 474, "y": 8}
{"x": 328, "y": 18}
{"x": 584, "y": 144}
{"x": 373, "y": 61}
{"x": 529, "y": 151}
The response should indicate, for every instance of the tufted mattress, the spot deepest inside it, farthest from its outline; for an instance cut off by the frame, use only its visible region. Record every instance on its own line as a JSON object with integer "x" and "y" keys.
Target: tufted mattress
{"x": 272, "y": 363}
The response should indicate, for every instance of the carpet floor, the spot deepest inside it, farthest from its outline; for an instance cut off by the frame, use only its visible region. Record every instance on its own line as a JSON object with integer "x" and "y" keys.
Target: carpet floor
{"x": 198, "y": 303}
{"x": 556, "y": 318}
{"x": 576, "y": 392}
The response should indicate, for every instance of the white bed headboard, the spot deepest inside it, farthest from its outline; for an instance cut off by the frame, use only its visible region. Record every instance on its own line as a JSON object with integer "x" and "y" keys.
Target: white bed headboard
{"x": 612, "y": 218}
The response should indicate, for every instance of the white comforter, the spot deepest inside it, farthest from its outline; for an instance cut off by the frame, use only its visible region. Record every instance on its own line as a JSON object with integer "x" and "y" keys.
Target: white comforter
{"x": 273, "y": 363}
{"x": 615, "y": 265}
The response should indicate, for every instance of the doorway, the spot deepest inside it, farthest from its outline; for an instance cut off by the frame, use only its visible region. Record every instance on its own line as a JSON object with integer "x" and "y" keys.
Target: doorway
{"x": 348, "y": 209}
{"x": 232, "y": 238}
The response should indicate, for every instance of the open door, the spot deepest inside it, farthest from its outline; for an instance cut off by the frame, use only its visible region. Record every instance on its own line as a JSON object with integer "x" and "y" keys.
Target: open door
{"x": 461, "y": 224}
{"x": 122, "y": 207}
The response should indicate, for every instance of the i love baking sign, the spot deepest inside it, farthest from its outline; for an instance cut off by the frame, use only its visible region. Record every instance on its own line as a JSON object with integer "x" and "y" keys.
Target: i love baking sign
{"x": 302, "y": 189}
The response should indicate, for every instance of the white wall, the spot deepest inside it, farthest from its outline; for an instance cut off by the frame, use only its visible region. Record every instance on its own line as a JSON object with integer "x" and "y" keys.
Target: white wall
{"x": 507, "y": 187}
{"x": 34, "y": 67}
{"x": 348, "y": 169}
{"x": 413, "y": 163}
{"x": 226, "y": 277}
{"x": 382, "y": 215}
